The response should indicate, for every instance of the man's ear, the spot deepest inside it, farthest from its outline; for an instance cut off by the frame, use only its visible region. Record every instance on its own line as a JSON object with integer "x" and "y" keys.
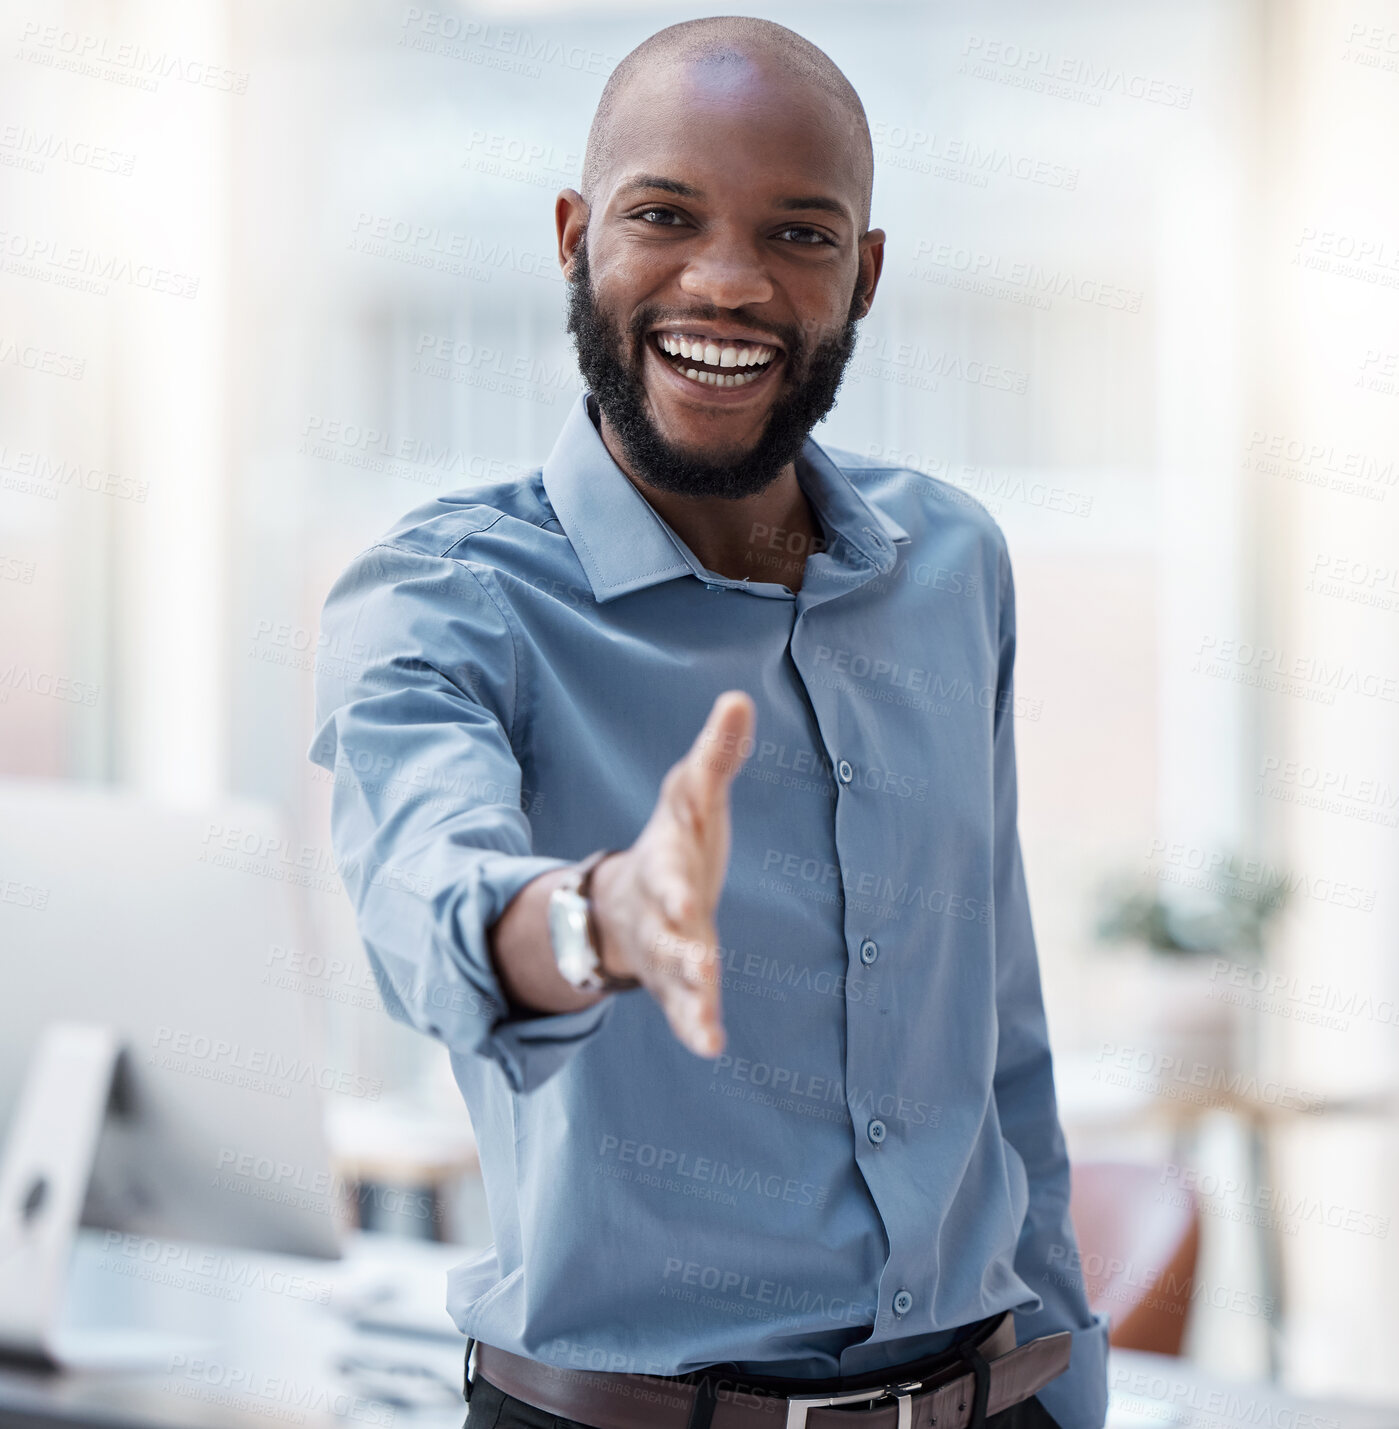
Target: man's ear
{"x": 871, "y": 260}
{"x": 571, "y": 222}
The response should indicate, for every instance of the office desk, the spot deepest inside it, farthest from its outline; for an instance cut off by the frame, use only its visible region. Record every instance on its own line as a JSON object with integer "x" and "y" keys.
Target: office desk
{"x": 273, "y": 1341}
{"x": 1166, "y": 1393}
{"x": 255, "y": 1339}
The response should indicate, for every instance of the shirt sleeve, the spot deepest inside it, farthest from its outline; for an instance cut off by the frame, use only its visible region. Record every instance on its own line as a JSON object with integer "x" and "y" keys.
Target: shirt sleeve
{"x": 415, "y": 702}
{"x": 1047, "y": 1256}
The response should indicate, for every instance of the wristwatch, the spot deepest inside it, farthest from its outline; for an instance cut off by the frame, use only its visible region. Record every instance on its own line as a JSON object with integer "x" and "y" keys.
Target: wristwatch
{"x": 572, "y": 931}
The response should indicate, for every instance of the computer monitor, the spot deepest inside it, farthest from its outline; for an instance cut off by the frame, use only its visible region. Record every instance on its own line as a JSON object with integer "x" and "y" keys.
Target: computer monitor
{"x": 151, "y": 1062}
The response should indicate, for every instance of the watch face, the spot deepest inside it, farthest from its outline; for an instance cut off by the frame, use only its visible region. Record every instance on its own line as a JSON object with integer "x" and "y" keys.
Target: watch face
{"x": 568, "y": 931}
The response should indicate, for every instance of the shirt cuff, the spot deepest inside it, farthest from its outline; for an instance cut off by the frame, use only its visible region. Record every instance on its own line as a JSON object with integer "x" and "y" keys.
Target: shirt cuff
{"x": 528, "y": 1047}
{"x": 529, "y": 1050}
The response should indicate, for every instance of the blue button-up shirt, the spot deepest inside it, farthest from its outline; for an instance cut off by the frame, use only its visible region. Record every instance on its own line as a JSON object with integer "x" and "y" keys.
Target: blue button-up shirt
{"x": 875, "y": 1159}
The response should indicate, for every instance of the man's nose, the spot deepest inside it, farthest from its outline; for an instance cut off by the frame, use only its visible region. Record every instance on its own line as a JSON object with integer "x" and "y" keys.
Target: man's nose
{"x": 727, "y": 272}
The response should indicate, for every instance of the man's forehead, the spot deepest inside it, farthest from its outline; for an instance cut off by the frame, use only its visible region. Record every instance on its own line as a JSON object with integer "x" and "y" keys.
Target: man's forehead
{"x": 684, "y": 137}
{"x": 758, "y": 83}
{"x": 754, "y": 116}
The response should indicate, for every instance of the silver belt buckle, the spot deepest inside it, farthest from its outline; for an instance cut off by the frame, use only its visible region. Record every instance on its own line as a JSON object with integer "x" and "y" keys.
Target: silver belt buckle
{"x": 798, "y": 1405}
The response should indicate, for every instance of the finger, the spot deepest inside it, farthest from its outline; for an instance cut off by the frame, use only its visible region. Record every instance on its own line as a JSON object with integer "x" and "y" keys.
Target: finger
{"x": 721, "y": 748}
{"x": 683, "y": 975}
{"x": 685, "y": 959}
{"x": 694, "y": 1019}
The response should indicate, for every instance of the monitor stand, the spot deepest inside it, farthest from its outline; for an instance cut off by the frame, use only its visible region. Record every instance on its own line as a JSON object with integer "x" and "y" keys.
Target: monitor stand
{"x": 72, "y": 1083}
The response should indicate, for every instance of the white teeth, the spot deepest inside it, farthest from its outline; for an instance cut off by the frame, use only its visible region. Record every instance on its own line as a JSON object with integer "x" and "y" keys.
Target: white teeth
{"x": 720, "y": 379}
{"x": 753, "y": 356}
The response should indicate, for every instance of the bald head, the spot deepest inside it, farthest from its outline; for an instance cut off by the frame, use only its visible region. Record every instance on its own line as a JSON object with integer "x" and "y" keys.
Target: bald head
{"x": 729, "y": 50}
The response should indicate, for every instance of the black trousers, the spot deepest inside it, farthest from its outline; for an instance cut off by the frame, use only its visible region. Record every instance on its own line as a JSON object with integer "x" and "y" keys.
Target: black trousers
{"x": 492, "y": 1408}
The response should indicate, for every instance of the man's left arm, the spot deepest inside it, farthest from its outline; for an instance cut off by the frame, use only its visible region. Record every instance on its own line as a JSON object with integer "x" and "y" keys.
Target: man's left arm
{"x": 1047, "y": 1255}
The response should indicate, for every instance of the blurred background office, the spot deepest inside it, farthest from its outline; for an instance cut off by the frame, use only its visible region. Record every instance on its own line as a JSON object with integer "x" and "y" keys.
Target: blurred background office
{"x": 272, "y": 274}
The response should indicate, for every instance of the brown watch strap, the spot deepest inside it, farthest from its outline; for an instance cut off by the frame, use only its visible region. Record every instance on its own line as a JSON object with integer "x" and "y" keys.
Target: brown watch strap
{"x": 610, "y": 982}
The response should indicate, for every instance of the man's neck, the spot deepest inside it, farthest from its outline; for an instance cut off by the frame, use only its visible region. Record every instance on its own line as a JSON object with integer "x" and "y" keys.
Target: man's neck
{"x": 766, "y": 537}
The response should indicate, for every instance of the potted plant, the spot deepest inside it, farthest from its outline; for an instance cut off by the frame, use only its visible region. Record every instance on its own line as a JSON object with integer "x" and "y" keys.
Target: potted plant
{"x": 1177, "y": 948}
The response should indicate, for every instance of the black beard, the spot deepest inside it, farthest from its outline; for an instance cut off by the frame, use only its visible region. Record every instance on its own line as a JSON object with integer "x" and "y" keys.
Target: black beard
{"x": 611, "y": 366}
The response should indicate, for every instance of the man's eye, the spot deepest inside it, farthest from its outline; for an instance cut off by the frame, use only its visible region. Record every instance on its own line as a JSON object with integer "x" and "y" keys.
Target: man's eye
{"x": 810, "y": 236}
{"x": 665, "y": 215}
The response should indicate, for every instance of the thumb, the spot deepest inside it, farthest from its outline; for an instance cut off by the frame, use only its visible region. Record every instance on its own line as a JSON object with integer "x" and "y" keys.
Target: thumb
{"x": 722, "y": 747}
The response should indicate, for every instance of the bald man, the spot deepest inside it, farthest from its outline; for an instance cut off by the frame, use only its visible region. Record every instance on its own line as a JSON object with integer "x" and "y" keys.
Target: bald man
{"x": 676, "y": 796}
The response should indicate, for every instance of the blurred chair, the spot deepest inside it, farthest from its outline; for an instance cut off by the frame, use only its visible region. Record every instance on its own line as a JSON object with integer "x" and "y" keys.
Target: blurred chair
{"x": 1138, "y": 1239}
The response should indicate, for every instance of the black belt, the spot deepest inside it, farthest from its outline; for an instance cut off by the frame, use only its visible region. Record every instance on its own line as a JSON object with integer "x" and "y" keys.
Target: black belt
{"x": 955, "y": 1389}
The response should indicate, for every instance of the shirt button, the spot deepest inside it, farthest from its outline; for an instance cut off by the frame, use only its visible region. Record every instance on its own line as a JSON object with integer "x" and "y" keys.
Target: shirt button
{"x": 903, "y": 1303}
{"x": 844, "y": 772}
{"x": 876, "y": 1131}
{"x": 869, "y": 950}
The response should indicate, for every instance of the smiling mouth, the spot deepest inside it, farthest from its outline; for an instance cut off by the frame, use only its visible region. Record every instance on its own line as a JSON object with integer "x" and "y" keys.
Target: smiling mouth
{"x": 712, "y": 363}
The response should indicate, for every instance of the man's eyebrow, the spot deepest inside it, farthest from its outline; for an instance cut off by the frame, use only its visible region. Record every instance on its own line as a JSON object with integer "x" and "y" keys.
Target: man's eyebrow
{"x": 683, "y": 190}
{"x": 827, "y": 205}
{"x": 658, "y": 181}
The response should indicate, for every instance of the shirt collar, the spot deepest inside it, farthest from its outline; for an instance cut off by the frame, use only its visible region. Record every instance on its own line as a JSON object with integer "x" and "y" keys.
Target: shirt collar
{"x": 624, "y": 545}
